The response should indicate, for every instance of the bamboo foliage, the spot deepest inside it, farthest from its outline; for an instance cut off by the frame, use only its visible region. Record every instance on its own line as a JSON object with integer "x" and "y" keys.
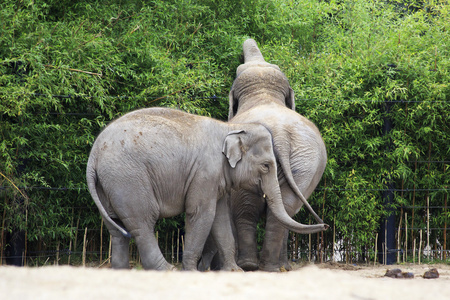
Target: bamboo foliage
{"x": 68, "y": 68}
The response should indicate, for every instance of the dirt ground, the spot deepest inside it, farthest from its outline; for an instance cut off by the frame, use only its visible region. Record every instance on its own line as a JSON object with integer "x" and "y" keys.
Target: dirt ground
{"x": 320, "y": 281}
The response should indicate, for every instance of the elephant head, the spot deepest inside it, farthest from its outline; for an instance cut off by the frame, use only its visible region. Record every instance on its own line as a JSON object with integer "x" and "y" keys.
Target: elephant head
{"x": 253, "y": 167}
{"x": 257, "y": 81}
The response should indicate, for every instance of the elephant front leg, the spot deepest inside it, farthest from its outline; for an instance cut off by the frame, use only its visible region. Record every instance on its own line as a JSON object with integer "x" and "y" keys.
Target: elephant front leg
{"x": 199, "y": 220}
{"x": 247, "y": 209}
{"x": 222, "y": 234}
{"x": 272, "y": 257}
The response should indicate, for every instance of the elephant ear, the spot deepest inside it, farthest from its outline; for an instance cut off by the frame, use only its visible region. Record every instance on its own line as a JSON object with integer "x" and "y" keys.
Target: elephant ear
{"x": 290, "y": 100}
{"x": 232, "y": 147}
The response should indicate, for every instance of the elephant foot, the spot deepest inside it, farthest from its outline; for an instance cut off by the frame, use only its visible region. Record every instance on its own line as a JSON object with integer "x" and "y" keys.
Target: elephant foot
{"x": 248, "y": 265}
{"x": 235, "y": 268}
{"x": 166, "y": 267}
{"x": 275, "y": 267}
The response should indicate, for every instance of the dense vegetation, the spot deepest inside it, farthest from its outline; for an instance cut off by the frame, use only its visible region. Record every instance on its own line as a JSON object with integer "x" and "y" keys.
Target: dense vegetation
{"x": 67, "y": 68}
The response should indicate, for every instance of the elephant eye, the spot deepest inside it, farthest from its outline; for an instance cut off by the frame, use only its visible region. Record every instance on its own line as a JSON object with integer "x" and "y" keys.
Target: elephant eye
{"x": 265, "y": 167}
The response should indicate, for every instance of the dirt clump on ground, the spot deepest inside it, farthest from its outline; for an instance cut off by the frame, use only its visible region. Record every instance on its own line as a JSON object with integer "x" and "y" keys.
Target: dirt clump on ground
{"x": 306, "y": 281}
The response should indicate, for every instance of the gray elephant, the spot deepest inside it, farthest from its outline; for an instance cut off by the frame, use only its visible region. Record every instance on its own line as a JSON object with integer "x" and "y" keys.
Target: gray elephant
{"x": 156, "y": 163}
{"x": 261, "y": 94}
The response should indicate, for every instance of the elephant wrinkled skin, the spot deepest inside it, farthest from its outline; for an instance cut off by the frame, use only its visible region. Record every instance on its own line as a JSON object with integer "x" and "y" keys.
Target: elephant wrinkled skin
{"x": 156, "y": 163}
{"x": 261, "y": 94}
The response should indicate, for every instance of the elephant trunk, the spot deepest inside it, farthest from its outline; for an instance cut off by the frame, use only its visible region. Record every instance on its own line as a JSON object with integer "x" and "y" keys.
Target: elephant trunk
{"x": 251, "y": 51}
{"x": 275, "y": 203}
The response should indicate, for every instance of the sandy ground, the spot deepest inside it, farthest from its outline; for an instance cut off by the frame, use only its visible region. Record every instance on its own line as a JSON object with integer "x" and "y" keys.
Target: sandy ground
{"x": 324, "y": 281}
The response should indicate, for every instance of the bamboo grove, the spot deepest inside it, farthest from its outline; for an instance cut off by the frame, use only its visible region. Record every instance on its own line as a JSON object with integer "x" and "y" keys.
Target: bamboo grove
{"x": 67, "y": 68}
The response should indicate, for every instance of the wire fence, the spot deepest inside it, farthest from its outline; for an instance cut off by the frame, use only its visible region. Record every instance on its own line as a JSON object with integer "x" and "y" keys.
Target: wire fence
{"x": 321, "y": 247}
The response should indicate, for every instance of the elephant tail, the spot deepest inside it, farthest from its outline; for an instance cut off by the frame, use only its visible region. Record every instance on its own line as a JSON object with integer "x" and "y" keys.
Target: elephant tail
{"x": 286, "y": 167}
{"x": 251, "y": 51}
{"x": 92, "y": 179}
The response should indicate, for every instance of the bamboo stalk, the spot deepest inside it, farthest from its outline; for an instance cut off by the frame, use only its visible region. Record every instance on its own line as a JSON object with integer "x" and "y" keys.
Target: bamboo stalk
{"x": 57, "y": 253}
{"x": 166, "y": 248}
{"x": 178, "y": 246}
{"x": 445, "y": 227}
{"x": 3, "y": 231}
{"x": 26, "y": 237}
{"x": 405, "y": 255}
{"x": 309, "y": 245}
{"x": 70, "y": 243}
{"x": 182, "y": 242}
{"x": 398, "y": 238}
{"x": 76, "y": 232}
{"x": 420, "y": 246}
{"x": 376, "y": 249}
{"x": 101, "y": 241}
{"x": 414, "y": 252}
{"x": 334, "y": 238}
{"x": 75, "y": 70}
{"x": 323, "y": 217}
{"x": 109, "y": 250}
{"x": 385, "y": 243}
{"x": 173, "y": 235}
{"x": 428, "y": 228}
{"x": 70, "y": 251}
{"x": 414, "y": 200}
{"x": 84, "y": 247}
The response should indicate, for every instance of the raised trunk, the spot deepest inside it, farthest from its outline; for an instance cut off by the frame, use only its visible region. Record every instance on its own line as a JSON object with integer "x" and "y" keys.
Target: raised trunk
{"x": 274, "y": 201}
{"x": 251, "y": 51}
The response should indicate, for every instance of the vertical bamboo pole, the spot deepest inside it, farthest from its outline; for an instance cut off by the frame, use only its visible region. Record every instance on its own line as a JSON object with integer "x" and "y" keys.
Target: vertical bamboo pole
{"x": 309, "y": 245}
{"x": 420, "y": 245}
{"x": 3, "y": 231}
{"x": 166, "y": 250}
{"x": 57, "y": 254}
{"x": 182, "y": 242}
{"x": 414, "y": 200}
{"x": 178, "y": 246}
{"x": 385, "y": 244}
{"x": 398, "y": 237}
{"x": 405, "y": 255}
{"x": 445, "y": 227}
{"x": 322, "y": 248}
{"x": 70, "y": 252}
{"x": 101, "y": 242}
{"x": 428, "y": 228}
{"x": 84, "y": 247}
{"x": 109, "y": 250}
{"x": 334, "y": 238}
{"x": 70, "y": 243}
{"x": 26, "y": 236}
{"x": 376, "y": 249}
{"x": 173, "y": 255}
{"x": 414, "y": 252}
{"x": 76, "y": 232}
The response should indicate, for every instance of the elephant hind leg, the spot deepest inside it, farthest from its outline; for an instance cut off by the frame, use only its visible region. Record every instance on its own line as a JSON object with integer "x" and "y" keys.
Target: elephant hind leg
{"x": 119, "y": 249}
{"x": 151, "y": 256}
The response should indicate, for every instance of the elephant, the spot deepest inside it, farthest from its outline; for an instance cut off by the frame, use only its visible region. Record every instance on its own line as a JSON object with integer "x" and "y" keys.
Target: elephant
{"x": 157, "y": 163}
{"x": 261, "y": 94}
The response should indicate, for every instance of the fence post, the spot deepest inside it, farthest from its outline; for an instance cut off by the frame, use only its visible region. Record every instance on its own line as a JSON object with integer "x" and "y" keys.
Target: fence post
{"x": 386, "y": 242}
